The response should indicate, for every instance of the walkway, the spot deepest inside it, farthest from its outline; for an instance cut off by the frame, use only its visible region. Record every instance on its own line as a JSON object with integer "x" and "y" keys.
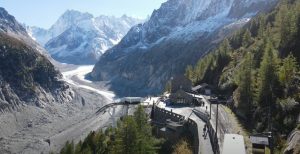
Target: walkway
{"x": 205, "y": 145}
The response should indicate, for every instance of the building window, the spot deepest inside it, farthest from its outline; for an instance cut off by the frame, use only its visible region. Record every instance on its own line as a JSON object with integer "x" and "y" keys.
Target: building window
{"x": 180, "y": 100}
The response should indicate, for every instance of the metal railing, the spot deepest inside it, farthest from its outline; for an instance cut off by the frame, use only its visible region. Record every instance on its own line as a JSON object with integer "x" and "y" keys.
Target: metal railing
{"x": 212, "y": 133}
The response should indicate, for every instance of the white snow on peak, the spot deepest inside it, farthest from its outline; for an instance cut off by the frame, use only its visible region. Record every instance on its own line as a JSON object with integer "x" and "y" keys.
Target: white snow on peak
{"x": 69, "y": 19}
{"x": 185, "y": 20}
{"x": 83, "y": 34}
{"x": 116, "y": 41}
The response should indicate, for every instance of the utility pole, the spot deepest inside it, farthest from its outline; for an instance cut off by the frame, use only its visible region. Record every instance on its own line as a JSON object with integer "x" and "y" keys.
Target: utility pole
{"x": 171, "y": 85}
{"x": 270, "y": 109}
{"x": 210, "y": 110}
{"x": 217, "y": 116}
{"x": 249, "y": 88}
{"x": 270, "y": 122}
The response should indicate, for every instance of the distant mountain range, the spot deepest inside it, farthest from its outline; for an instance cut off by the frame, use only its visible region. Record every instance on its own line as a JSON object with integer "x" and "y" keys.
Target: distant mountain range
{"x": 176, "y": 35}
{"x": 81, "y": 38}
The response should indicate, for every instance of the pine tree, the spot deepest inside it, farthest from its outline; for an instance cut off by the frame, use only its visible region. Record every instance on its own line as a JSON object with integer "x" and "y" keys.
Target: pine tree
{"x": 236, "y": 40}
{"x": 223, "y": 54}
{"x": 90, "y": 142}
{"x": 247, "y": 40}
{"x": 78, "y": 147}
{"x": 279, "y": 23}
{"x": 267, "y": 75}
{"x": 267, "y": 87}
{"x": 126, "y": 139}
{"x": 288, "y": 72}
{"x": 189, "y": 73}
{"x": 141, "y": 119}
{"x": 146, "y": 143}
{"x": 225, "y": 47}
{"x": 68, "y": 148}
{"x": 245, "y": 87}
{"x": 101, "y": 143}
{"x": 286, "y": 24}
{"x": 261, "y": 27}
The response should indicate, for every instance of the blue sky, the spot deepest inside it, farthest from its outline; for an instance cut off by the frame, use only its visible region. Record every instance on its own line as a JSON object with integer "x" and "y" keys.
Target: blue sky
{"x": 44, "y": 13}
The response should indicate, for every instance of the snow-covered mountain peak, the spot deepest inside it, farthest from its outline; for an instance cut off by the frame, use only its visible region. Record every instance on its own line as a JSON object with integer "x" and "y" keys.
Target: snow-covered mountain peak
{"x": 74, "y": 14}
{"x": 124, "y": 16}
{"x": 71, "y": 18}
{"x": 81, "y": 38}
{"x": 182, "y": 12}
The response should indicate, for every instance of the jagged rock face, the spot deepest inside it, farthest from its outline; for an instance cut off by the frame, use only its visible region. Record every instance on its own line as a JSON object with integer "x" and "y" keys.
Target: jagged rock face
{"x": 80, "y": 38}
{"x": 241, "y": 8}
{"x": 26, "y": 75}
{"x": 176, "y": 35}
{"x": 8, "y": 23}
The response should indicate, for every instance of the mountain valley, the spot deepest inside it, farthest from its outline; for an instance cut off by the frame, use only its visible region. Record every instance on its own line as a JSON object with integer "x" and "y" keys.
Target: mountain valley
{"x": 197, "y": 76}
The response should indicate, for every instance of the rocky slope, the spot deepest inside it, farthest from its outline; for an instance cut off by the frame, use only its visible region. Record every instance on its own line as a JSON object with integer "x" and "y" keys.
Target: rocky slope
{"x": 81, "y": 38}
{"x": 27, "y": 77}
{"x": 176, "y": 35}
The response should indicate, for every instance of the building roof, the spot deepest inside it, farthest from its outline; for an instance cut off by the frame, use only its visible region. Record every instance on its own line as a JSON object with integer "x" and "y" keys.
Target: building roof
{"x": 130, "y": 99}
{"x": 196, "y": 87}
{"x": 180, "y": 94}
{"x": 181, "y": 82}
{"x": 203, "y": 85}
{"x": 234, "y": 143}
{"x": 261, "y": 140}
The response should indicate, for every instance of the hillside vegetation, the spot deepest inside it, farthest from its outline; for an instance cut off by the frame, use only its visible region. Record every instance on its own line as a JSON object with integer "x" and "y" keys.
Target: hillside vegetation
{"x": 132, "y": 135}
{"x": 259, "y": 67}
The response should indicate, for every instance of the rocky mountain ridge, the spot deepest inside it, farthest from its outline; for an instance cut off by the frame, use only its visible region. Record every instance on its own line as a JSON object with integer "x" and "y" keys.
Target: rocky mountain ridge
{"x": 81, "y": 38}
{"x": 177, "y": 34}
